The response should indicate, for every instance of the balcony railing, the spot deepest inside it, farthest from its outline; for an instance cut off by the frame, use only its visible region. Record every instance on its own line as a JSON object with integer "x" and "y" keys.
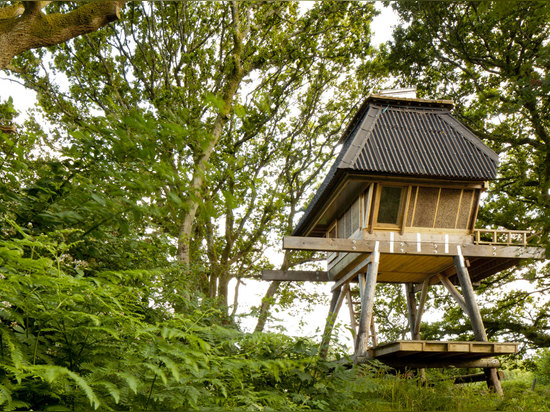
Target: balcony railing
{"x": 502, "y": 237}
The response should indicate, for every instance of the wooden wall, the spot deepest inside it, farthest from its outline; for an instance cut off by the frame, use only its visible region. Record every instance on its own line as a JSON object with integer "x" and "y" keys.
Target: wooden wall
{"x": 424, "y": 207}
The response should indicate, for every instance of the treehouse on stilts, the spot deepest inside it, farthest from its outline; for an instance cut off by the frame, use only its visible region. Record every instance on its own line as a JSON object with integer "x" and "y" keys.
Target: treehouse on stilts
{"x": 399, "y": 205}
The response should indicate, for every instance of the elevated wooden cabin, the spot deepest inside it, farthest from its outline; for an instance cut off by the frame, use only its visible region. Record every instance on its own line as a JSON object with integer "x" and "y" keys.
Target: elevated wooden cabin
{"x": 410, "y": 175}
{"x": 400, "y": 205}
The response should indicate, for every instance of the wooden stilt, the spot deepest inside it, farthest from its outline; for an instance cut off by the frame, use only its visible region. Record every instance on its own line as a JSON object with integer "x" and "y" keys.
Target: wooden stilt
{"x": 411, "y": 308}
{"x": 372, "y": 325}
{"x": 335, "y": 305}
{"x": 415, "y": 316}
{"x": 367, "y": 304}
{"x": 362, "y": 281}
{"x": 420, "y": 311}
{"x": 353, "y": 322}
{"x": 475, "y": 316}
{"x": 373, "y": 333}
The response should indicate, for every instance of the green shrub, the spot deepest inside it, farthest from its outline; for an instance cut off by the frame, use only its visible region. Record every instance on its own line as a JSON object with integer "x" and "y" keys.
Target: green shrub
{"x": 542, "y": 362}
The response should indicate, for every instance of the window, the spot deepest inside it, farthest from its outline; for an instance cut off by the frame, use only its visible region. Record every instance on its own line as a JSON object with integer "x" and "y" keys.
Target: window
{"x": 440, "y": 207}
{"x": 389, "y": 205}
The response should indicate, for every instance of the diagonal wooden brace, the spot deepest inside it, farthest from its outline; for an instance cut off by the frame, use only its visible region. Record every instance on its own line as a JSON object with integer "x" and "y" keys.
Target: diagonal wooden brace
{"x": 335, "y": 305}
{"x": 367, "y": 305}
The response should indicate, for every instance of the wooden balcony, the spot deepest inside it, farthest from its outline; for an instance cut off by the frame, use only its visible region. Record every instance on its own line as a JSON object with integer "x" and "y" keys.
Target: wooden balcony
{"x": 502, "y": 237}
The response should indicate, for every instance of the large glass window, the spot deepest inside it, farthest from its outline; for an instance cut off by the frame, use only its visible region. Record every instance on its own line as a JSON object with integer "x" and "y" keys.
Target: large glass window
{"x": 389, "y": 207}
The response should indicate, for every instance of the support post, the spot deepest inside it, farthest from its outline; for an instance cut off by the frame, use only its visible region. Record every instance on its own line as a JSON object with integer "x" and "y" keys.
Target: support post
{"x": 411, "y": 308}
{"x": 415, "y": 316}
{"x": 367, "y": 304}
{"x": 420, "y": 311}
{"x": 353, "y": 322}
{"x": 493, "y": 381}
{"x": 335, "y": 304}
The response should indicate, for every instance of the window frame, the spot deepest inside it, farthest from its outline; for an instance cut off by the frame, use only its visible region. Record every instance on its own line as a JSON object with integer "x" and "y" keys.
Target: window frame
{"x": 401, "y": 212}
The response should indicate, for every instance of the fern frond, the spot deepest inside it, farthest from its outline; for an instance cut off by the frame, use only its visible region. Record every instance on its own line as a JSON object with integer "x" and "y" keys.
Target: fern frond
{"x": 14, "y": 352}
{"x": 131, "y": 381}
{"x": 52, "y": 372}
{"x": 113, "y": 391}
{"x": 158, "y": 371}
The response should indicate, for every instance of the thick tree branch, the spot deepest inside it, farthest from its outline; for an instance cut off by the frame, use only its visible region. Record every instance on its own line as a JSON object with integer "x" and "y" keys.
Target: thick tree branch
{"x": 31, "y": 29}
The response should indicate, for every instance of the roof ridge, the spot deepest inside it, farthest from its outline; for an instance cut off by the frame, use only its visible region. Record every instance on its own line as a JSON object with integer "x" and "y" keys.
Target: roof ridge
{"x": 359, "y": 139}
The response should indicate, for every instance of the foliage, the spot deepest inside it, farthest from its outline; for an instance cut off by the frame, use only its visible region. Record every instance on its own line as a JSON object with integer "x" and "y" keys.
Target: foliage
{"x": 208, "y": 122}
{"x": 76, "y": 341}
{"x": 542, "y": 362}
{"x": 199, "y": 125}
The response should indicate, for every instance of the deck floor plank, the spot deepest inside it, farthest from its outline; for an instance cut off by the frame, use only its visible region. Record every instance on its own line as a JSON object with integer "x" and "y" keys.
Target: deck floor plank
{"x": 440, "y": 352}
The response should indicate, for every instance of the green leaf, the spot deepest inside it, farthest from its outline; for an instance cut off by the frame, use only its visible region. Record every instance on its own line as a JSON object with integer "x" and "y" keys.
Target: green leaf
{"x": 98, "y": 199}
{"x": 131, "y": 381}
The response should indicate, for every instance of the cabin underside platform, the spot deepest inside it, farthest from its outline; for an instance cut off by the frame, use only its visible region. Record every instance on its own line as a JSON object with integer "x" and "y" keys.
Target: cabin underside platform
{"x": 407, "y": 261}
{"x": 441, "y": 354}
{"x": 416, "y": 269}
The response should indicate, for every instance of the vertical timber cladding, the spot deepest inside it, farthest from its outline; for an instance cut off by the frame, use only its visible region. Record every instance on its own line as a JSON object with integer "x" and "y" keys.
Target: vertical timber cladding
{"x": 465, "y": 213}
{"x": 350, "y": 221}
{"x": 427, "y": 207}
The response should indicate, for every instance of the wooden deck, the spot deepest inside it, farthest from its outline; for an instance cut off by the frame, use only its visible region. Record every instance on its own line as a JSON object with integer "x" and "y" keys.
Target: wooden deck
{"x": 405, "y": 260}
{"x": 439, "y": 354}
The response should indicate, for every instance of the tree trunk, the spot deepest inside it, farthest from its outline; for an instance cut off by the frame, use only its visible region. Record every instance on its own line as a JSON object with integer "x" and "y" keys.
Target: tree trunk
{"x": 267, "y": 300}
{"x": 223, "y": 288}
{"x": 232, "y": 84}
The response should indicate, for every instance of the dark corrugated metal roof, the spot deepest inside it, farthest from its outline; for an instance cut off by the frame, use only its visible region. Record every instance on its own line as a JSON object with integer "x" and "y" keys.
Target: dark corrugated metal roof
{"x": 405, "y": 137}
{"x": 423, "y": 143}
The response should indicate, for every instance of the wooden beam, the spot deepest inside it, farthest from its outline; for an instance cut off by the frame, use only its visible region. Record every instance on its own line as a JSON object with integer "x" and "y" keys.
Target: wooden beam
{"x": 410, "y": 247}
{"x": 296, "y": 275}
{"x": 367, "y": 304}
{"x": 362, "y": 279}
{"x": 353, "y": 322}
{"x": 476, "y": 377}
{"x": 344, "y": 262}
{"x": 411, "y": 308}
{"x": 469, "y": 298}
{"x": 405, "y": 364}
{"x": 406, "y": 209}
{"x": 418, "y": 349}
{"x": 351, "y": 274}
{"x": 454, "y": 292}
